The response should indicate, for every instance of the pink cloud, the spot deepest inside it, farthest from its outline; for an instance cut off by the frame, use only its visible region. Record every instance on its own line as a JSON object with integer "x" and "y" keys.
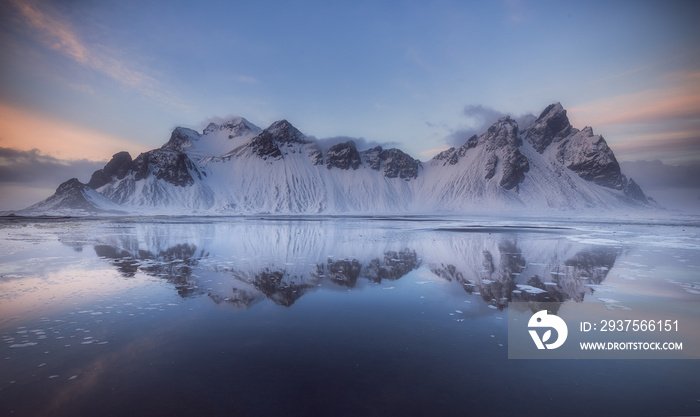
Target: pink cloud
{"x": 25, "y": 130}
{"x": 679, "y": 101}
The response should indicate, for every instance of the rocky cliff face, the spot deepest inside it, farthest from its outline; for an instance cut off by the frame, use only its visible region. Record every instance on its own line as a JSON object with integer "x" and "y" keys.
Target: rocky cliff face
{"x": 581, "y": 151}
{"x": 392, "y": 162}
{"x": 343, "y": 156}
{"x": 116, "y": 168}
{"x": 552, "y": 126}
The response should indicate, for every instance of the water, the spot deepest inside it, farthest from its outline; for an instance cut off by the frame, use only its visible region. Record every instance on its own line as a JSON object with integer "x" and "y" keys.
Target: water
{"x": 326, "y": 316}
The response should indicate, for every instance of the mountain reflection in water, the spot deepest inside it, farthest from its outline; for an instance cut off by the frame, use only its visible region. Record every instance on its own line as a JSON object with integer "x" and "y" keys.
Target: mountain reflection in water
{"x": 241, "y": 263}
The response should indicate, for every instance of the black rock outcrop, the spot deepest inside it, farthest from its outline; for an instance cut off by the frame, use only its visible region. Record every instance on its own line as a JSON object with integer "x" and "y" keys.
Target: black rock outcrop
{"x": 394, "y": 162}
{"x": 343, "y": 156}
{"x": 116, "y": 168}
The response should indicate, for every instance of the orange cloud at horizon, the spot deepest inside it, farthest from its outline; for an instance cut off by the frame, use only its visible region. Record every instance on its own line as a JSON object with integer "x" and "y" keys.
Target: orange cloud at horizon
{"x": 680, "y": 101}
{"x": 25, "y": 130}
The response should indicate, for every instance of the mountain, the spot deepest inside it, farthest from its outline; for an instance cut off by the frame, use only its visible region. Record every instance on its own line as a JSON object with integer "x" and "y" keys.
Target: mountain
{"x": 547, "y": 165}
{"x": 73, "y": 198}
{"x": 238, "y": 168}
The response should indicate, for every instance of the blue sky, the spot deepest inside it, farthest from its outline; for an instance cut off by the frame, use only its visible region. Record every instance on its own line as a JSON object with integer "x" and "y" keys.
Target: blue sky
{"x": 81, "y": 80}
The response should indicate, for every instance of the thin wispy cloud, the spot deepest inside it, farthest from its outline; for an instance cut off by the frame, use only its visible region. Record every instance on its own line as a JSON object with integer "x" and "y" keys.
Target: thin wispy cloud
{"x": 57, "y": 33}
{"x": 247, "y": 79}
{"x": 52, "y": 32}
{"x": 679, "y": 101}
{"x": 678, "y": 147}
{"x": 661, "y": 123}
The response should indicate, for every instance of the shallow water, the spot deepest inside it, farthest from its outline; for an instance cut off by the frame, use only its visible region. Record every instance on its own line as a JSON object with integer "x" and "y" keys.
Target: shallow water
{"x": 327, "y": 316}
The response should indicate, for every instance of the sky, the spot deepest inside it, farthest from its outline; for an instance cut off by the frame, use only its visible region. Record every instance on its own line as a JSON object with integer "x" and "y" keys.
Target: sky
{"x": 81, "y": 80}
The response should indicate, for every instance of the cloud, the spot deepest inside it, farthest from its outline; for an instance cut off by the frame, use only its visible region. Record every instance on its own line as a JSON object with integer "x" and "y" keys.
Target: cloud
{"x": 33, "y": 167}
{"x": 52, "y": 32}
{"x": 681, "y": 146}
{"x": 478, "y": 120}
{"x": 247, "y": 79}
{"x": 56, "y": 33}
{"x": 360, "y": 143}
{"x": 27, "y": 177}
{"x": 25, "y": 130}
{"x": 678, "y": 102}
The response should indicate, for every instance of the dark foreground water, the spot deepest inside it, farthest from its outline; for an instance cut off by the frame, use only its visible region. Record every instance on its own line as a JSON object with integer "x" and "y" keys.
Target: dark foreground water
{"x": 326, "y": 317}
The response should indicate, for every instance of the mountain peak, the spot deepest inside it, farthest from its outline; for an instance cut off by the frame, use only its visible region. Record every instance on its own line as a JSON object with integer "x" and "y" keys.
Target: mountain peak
{"x": 267, "y": 143}
{"x": 552, "y": 126}
{"x": 237, "y": 126}
{"x": 502, "y": 133}
{"x": 284, "y": 132}
{"x": 181, "y": 139}
{"x": 72, "y": 185}
{"x": 75, "y": 198}
{"x": 117, "y": 167}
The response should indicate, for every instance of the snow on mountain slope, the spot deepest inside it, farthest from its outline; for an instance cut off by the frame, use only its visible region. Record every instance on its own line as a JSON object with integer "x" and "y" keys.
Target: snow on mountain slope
{"x": 161, "y": 179}
{"x": 283, "y": 171}
{"x": 236, "y": 168}
{"x": 215, "y": 140}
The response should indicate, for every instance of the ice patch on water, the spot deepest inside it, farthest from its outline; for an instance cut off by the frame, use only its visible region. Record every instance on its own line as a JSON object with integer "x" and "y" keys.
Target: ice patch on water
{"x": 627, "y": 277}
{"x": 689, "y": 287}
{"x": 612, "y": 304}
{"x": 601, "y": 287}
{"x": 21, "y": 345}
{"x": 530, "y": 289}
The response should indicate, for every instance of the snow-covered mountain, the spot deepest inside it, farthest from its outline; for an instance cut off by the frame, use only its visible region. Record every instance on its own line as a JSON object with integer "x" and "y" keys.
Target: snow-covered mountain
{"x": 73, "y": 198}
{"x": 237, "y": 168}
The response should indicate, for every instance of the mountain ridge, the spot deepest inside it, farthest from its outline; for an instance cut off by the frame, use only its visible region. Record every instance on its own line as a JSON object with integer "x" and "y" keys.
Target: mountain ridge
{"x": 237, "y": 168}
